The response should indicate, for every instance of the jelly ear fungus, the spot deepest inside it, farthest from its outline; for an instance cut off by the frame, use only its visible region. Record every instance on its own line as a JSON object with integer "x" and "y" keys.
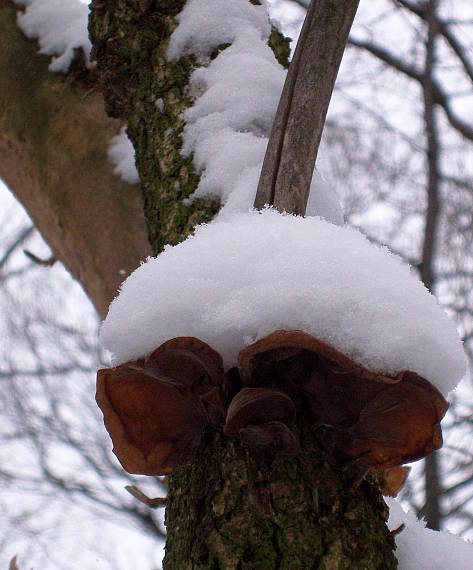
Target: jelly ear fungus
{"x": 158, "y": 409}
{"x": 378, "y": 419}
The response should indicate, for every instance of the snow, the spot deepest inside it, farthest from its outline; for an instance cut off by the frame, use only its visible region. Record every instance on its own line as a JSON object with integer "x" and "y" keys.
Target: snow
{"x": 236, "y": 94}
{"x": 60, "y": 26}
{"x": 420, "y": 548}
{"x": 121, "y": 154}
{"x": 206, "y": 24}
{"x": 244, "y": 276}
{"x": 235, "y": 100}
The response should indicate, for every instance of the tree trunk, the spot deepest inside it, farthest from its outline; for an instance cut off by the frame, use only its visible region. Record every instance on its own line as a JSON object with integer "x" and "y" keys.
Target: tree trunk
{"x": 228, "y": 511}
{"x": 225, "y": 511}
{"x": 53, "y": 155}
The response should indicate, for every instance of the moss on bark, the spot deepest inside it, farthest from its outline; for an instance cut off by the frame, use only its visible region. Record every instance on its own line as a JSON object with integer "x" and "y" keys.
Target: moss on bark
{"x": 130, "y": 41}
{"x": 229, "y": 512}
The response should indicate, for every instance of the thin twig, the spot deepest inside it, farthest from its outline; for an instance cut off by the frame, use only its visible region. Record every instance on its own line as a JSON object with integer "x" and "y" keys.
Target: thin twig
{"x": 156, "y": 503}
{"x": 35, "y": 259}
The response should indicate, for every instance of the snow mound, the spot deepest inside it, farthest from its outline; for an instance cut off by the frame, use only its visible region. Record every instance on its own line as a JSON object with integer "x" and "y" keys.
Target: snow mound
{"x": 236, "y": 97}
{"x": 419, "y": 548}
{"x": 121, "y": 154}
{"x": 60, "y": 26}
{"x": 241, "y": 278}
{"x": 207, "y": 24}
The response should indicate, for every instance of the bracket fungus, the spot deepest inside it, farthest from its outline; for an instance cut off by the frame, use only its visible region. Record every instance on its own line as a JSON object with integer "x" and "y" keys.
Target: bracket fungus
{"x": 382, "y": 420}
{"x": 258, "y": 406}
{"x": 158, "y": 409}
{"x": 391, "y": 480}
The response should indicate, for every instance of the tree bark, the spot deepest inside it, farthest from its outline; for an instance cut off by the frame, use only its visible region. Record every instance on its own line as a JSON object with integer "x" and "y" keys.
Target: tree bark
{"x": 129, "y": 44}
{"x": 228, "y": 511}
{"x": 225, "y": 510}
{"x": 53, "y": 156}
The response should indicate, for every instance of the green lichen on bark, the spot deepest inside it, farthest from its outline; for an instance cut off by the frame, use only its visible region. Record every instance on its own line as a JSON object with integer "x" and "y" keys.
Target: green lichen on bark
{"x": 130, "y": 40}
{"x": 228, "y": 512}
{"x": 280, "y": 46}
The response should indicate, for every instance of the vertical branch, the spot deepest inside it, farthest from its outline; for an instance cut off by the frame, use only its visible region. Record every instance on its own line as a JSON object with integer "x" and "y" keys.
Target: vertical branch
{"x": 297, "y": 129}
{"x": 432, "y": 476}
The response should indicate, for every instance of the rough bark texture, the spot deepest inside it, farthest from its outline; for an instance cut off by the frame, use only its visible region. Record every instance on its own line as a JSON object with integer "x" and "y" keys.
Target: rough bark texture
{"x": 227, "y": 511}
{"x": 130, "y": 40}
{"x": 53, "y": 156}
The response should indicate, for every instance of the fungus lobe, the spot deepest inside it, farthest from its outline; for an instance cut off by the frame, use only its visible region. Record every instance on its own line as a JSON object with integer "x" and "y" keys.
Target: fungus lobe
{"x": 157, "y": 409}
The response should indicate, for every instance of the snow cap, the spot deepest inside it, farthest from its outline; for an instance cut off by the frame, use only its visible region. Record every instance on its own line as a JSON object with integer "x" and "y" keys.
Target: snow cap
{"x": 240, "y": 278}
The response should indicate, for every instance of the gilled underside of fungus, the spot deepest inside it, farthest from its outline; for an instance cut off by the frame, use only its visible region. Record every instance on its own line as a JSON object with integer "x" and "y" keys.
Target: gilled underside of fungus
{"x": 158, "y": 410}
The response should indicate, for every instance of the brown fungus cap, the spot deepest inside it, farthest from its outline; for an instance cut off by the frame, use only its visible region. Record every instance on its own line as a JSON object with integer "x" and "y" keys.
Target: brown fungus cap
{"x": 392, "y": 479}
{"x": 282, "y": 345}
{"x": 258, "y": 406}
{"x": 189, "y": 361}
{"x": 156, "y": 410}
{"x": 380, "y": 419}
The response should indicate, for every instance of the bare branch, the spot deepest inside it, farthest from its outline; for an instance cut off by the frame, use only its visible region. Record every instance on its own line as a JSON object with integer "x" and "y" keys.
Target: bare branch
{"x": 444, "y": 30}
{"x": 297, "y": 129}
{"x": 439, "y": 96}
{"x": 24, "y": 235}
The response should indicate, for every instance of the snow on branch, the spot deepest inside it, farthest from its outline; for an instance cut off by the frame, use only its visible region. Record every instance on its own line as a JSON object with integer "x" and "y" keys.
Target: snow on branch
{"x": 60, "y": 27}
{"x": 419, "y": 547}
{"x": 121, "y": 154}
{"x": 236, "y": 96}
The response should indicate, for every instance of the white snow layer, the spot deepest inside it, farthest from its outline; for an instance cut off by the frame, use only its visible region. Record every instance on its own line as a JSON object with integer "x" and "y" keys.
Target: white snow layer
{"x": 242, "y": 277}
{"x": 419, "y": 548}
{"x": 236, "y": 94}
{"x": 236, "y": 97}
{"x": 60, "y": 26}
{"x": 121, "y": 154}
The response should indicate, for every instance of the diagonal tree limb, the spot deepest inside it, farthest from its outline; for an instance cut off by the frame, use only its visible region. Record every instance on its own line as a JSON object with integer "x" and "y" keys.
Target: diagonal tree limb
{"x": 297, "y": 129}
{"x": 54, "y": 135}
